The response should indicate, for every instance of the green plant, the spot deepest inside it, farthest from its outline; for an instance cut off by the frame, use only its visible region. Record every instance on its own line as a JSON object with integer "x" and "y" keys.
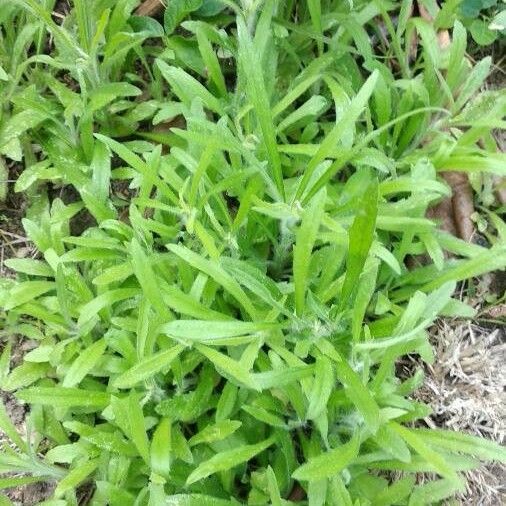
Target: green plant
{"x": 485, "y": 19}
{"x": 229, "y": 331}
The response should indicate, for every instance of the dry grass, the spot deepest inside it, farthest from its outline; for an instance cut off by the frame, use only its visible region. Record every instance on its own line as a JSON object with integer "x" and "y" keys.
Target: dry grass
{"x": 466, "y": 389}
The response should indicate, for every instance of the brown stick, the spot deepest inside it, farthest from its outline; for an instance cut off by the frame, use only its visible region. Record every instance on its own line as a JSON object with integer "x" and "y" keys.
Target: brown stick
{"x": 455, "y": 212}
{"x": 149, "y": 8}
{"x": 462, "y": 203}
{"x": 500, "y": 189}
{"x": 443, "y": 213}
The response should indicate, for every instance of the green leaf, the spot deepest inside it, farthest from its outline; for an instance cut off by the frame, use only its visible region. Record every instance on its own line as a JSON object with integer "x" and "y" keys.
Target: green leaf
{"x": 177, "y": 10}
{"x": 227, "y": 460}
{"x": 489, "y": 260}
{"x": 211, "y": 61}
{"x": 161, "y": 448}
{"x": 215, "y": 432}
{"x": 365, "y": 291}
{"x": 27, "y": 291}
{"x": 24, "y": 375}
{"x": 30, "y": 266}
{"x": 280, "y": 377}
{"x": 254, "y": 280}
{"x": 251, "y": 69}
{"x": 75, "y": 477}
{"x": 215, "y": 271}
{"x": 197, "y": 500}
{"x": 107, "y": 441}
{"x": 463, "y": 443}
{"x": 228, "y": 366}
{"x": 397, "y": 492}
{"x": 15, "y": 483}
{"x": 328, "y": 463}
{"x": 304, "y": 243}
{"x": 481, "y": 33}
{"x": 188, "y": 306}
{"x": 437, "y": 490}
{"x": 137, "y": 426}
{"x": 187, "y": 88}
{"x": 346, "y": 122}
{"x": 499, "y": 21}
{"x": 10, "y": 430}
{"x": 204, "y": 331}
{"x": 358, "y": 394}
{"x": 361, "y": 235}
{"x": 273, "y": 486}
{"x": 16, "y": 125}
{"x": 391, "y": 442}
{"x": 147, "y": 278}
{"x": 84, "y": 363}
{"x": 60, "y": 397}
{"x": 418, "y": 443}
{"x": 4, "y": 176}
{"x": 107, "y": 92}
{"x": 323, "y": 385}
{"x": 90, "y": 310}
{"x": 473, "y": 82}
{"x": 148, "y": 367}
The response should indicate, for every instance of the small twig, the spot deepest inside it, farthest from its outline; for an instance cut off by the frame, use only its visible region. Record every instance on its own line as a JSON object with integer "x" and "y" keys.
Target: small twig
{"x": 11, "y": 234}
{"x": 462, "y": 203}
{"x": 150, "y": 8}
{"x": 500, "y": 189}
{"x": 5, "y": 243}
{"x": 17, "y": 241}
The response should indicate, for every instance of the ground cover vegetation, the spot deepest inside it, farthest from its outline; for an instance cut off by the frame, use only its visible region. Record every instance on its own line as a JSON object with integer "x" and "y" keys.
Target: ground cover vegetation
{"x": 228, "y": 207}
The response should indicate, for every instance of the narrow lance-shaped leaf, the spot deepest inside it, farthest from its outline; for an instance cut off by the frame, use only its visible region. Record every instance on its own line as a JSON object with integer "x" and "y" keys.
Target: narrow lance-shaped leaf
{"x": 418, "y": 443}
{"x": 27, "y": 291}
{"x": 228, "y": 366}
{"x": 75, "y": 477}
{"x": 361, "y": 235}
{"x": 257, "y": 94}
{"x": 214, "y": 270}
{"x": 187, "y": 88}
{"x": 366, "y": 287}
{"x": 90, "y": 309}
{"x": 60, "y": 397}
{"x": 84, "y": 363}
{"x": 215, "y": 432}
{"x": 329, "y": 463}
{"x": 304, "y": 243}
{"x": 204, "y": 331}
{"x": 436, "y": 490}
{"x": 137, "y": 426}
{"x": 358, "y": 394}
{"x": 227, "y": 460}
{"x": 148, "y": 367}
{"x": 161, "y": 448}
{"x": 147, "y": 279}
{"x": 30, "y": 266}
{"x": 463, "y": 443}
{"x": 345, "y": 122}
{"x": 323, "y": 385}
{"x": 10, "y": 430}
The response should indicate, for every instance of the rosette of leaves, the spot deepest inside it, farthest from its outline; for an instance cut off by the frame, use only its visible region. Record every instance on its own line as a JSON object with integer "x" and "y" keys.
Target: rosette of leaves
{"x": 227, "y": 332}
